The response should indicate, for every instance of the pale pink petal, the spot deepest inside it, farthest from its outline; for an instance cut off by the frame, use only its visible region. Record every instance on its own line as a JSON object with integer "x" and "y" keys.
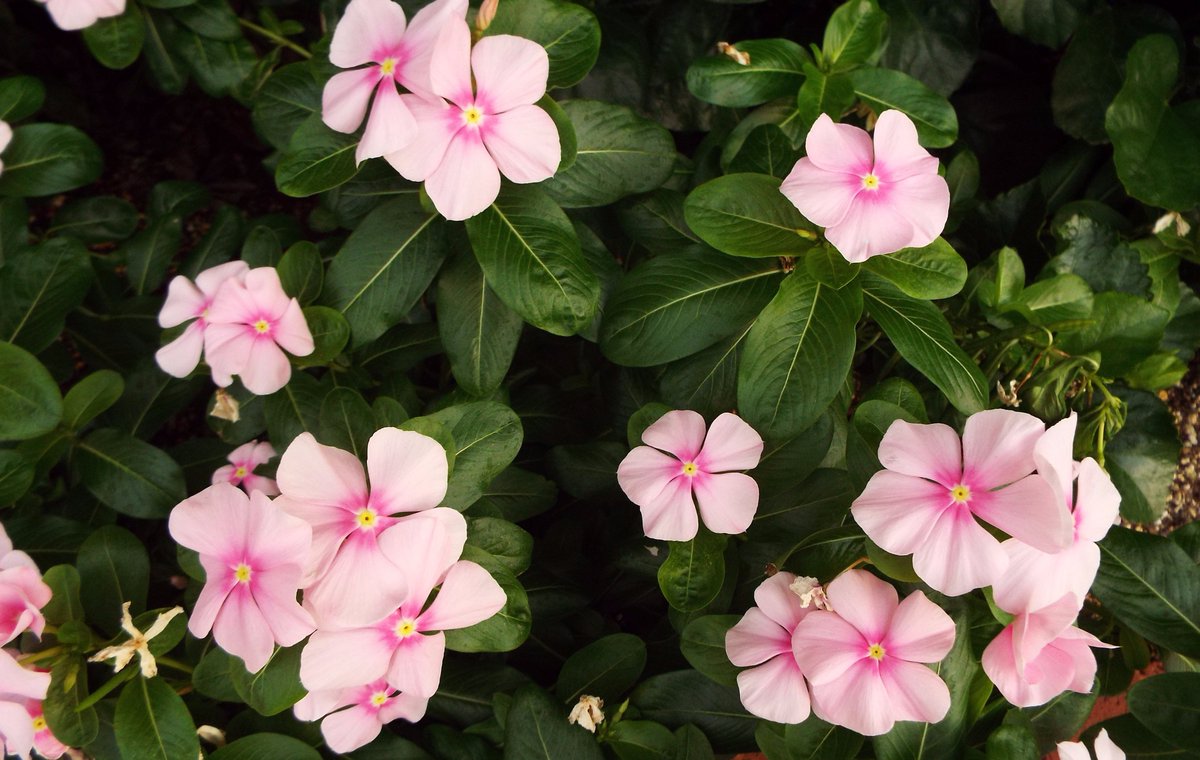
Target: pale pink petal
{"x": 450, "y": 64}
{"x": 839, "y": 147}
{"x": 923, "y": 201}
{"x": 645, "y": 472}
{"x": 755, "y": 639}
{"x": 920, "y": 631}
{"x": 260, "y": 453}
{"x": 265, "y": 291}
{"x": 924, "y": 451}
{"x": 467, "y": 180}
{"x": 1097, "y": 503}
{"x": 873, "y": 225}
{"x": 345, "y": 97}
{"x": 241, "y": 629}
{"x": 1027, "y": 510}
{"x": 184, "y": 301}
{"x": 1105, "y": 748}
{"x": 1033, "y": 631}
{"x": 408, "y": 707}
{"x": 998, "y": 447}
{"x": 1083, "y": 661}
{"x": 731, "y": 444}
{"x": 1074, "y": 751}
{"x": 823, "y": 197}
{"x": 291, "y": 331}
{"x": 420, "y": 40}
{"x": 179, "y": 357}
{"x": 267, "y": 368}
{"x": 349, "y": 729}
{"x": 408, "y": 471}
{"x": 681, "y": 432}
{"x": 416, "y": 664}
{"x": 437, "y": 124}
{"x": 897, "y": 153}
{"x": 16, "y": 730}
{"x": 863, "y": 601}
{"x": 359, "y": 587}
{"x": 424, "y": 546}
{"x": 959, "y": 555}
{"x": 728, "y": 501}
{"x": 335, "y": 659}
{"x": 468, "y": 595}
{"x": 390, "y": 126}
{"x": 275, "y": 594}
{"x": 19, "y": 681}
{"x": 524, "y": 143}
{"x": 671, "y": 516}
{"x": 778, "y": 602}
{"x": 242, "y": 455}
{"x": 219, "y": 582}
{"x": 227, "y": 349}
{"x": 915, "y": 691}
{"x": 1035, "y": 579}
{"x": 509, "y": 72}
{"x": 6, "y": 544}
{"x": 192, "y": 521}
{"x": 234, "y": 303}
{"x": 317, "y": 704}
{"x": 826, "y": 647}
{"x": 775, "y": 690}
{"x": 70, "y": 15}
{"x": 1053, "y": 458}
{"x": 5, "y": 135}
{"x": 858, "y": 700}
{"x": 368, "y": 31}
{"x": 254, "y": 482}
{"x": 898, "y": 511}
{"x": 318, "y": 474}
{"x": 210, "y": 280}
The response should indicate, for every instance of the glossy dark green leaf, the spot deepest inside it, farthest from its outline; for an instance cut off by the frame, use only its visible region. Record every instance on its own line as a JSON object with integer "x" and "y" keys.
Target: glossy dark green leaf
{"x": 854, "y": 34}
{"x": 569, "y": 33}
{"x": 641, "y": 740}
{"x": 210, "y": 18}
{"x": 217, "y": 66}
{"x": 91, "y": 396}
{"x": 100, "y": 219}
{"x": 39, "y": 287}
{"x": 117, "y": 41}
{"x": 128, "y": 474}
{"x": 702, "y": 643}
{"x": 1046, "y": 22}
{"x": 276, "y": 687}
{"x": 69, "y": 687}
{"x": 487, "y": 436}
{"x": 822, "y": 93}
{"x": 933, "y": 272}
{"x": 479, "y": 332}
{"x": 301, "y": 272}
{"x": 149, "y": 253}
{"x": 330, "y": 331}
{"x": 606, "y": 668}
{"x": 346, "y": 421}
{"x": 693, "y": 572}
{"x": 508, "y": 544}
{"x": 294, "y": 409}
{"x": 1143, "y": 457}
{"x": 934, "y": 117}
{"x": 152, "y": 722}
{"x": 20, "y": 97}
{"x": 266, "y": 746}
{"x": 747, "y": 215}
{"x": 714, "y": 709}
{"x": 113, "y": 568}
{"x": 316, "y": 159}
{"x": 766, "y": 150}
{"x": 287, "y": 99}
{"x": 932, "y": 41}
{"x": 16, "y": 475}
{"x": 1167, "y": 704}
{"x": 775, "y": 69}
{"x": 508, "y": 628}
{"x": 814, "y": 739}
{"x": 537, "y": 729}
{"x": 44, "y": 159}
{"x": 30, "y": 404}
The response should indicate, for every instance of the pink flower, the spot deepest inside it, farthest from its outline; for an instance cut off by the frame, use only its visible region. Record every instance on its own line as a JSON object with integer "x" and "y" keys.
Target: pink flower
{"x": 1034, "y": 578}
{"x": 408, "y": 645}
{"x": 70, "y": 15}
{"x": 663, "y": 485}
{"x": 5, "y": 139}
{"x": 356, "y": 715}
{"x": 240, "y": 470}
{"x": 349, "y": 580}
{"x": 253, "y": 554}
{"x": 772, "y": 686}
{"x": 871, "y": 198}
{"x": 249, "y": 321}
{"x": 1105, "y": 749}
{"x": 44, "y": 741}
{"x": 185, "y": 301}
{"x": 863, "y": 659}
{"x": 17, "y": 686}
{"x": 925, "y": 503}
{"x": 373, "y": 31}
{"x": 464, "y": 145}
{"x": 22, "y": 593}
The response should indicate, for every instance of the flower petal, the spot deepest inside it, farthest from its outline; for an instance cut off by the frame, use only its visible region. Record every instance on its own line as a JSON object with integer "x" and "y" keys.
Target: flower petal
{"x": 318, "y": 474}
{"x": 755, "y": 639}
{"x": 731, "y": 444}
{"x": 645, "y": 472}
{"x": 193, "y": 521}
{"x": 524, "y": 143}
{"x": 291, "y": 331}
{"x": 920, "y": 631}
{"x": 1027, "y": 510}
{"x": 349, "y": 729}
{"x": 915, "y": 692}
{"x": 368, "y": 31}
{"x": 416, "y": 664}
{"x": 873, "y": 225}
{"x": 275, "y": 595}
{"x": 898, "y": 511}
{"x": 727, "y": 500}
{"x": 420, "y": 40}
{"x": 179, "y": 357}
{"x": 468, "y": 595}
{"x": 509, "y": 72}
{"x": 267, "y": 368}
{"x": 671, "y": 516}
{"x": 898, "y": 154}
{"x": 360, "y": 586}
{"x": 959, "y": 555}
{"x": 998, "y": 447}
{"x": 1105, "y": 748}
{"x": 823, "y": 197}
{"x": 450, "y": 64}
{"x": 1097, "y": 501}
{"x": 1077, "y": 751}
{"x": 241, "y": 629}
{"x": 923, "y": 201}
{"x": 865, "y": 602}
{"x": 1035, "y": 579}
{"x": 775, "y": 690}
{"x": 1053, "y": 458}
{"x": 227, "y": 349}
{"x": 466, "y": 181}
{"x": 437, "y": 124}
{"x": 408, "y": 471}
{"x": 390, "y": 126}
{"x": 424, "y": 546}
{"x": 924, "y": 451}
{"x": 826, "y": 647}
{"x": 334, "y": 659}
{"x": 184, "y": 301}
{"x": 858, "y": 700}
{"x": 839, "y": 147}
{"x": 680, "y": 432}
{"x": 16, "y": 729}
{"x": 778, "y": 602}
{"x": 345, "y": 97}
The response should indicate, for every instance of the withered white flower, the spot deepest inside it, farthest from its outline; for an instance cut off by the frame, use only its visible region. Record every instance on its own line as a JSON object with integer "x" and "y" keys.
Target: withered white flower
{"x": 139, "y": 643}
{"x": 811, "y": 593}
{"x": 589, "y": 713}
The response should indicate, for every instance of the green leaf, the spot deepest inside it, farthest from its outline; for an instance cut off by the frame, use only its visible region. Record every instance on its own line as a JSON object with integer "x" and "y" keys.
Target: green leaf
{"x": 294, "y": 409}
{"x": 330, "y": 332}
{"x": 685, "y": 696}
{"x": 384, "y": 267}
{"x": 923, "y": 337}
{"x": 531, "y": 257}
{"x": 213, "y": 675}
{"x": 217, "y": 66}
{"x": 210, "y": 18}
{"x": 537, "y": 729}
{"x": 301, "y": 272}
{"x": 932, "y": 41}
{"x": 152, "y": 722}
{"x": 16, "y": 475}
{"x": 766, "y": 150}
{"x": 822, "y": 93}
{"x": 692, "y": 744}
{"x": 346, "y": 421}
{"x": 128, "y": 474}
{"x": 287, "y": 99}
{"x": 641, "y": 740}
{"x": 39, "y": 287}
{"x": 30, "y": 404}
{"x": 797, "y": 355}
{"x": 693, "y": 572}
{"x": 316, "y": 159}
{"x": 44, "y": 159}
{"x": 569, "y": 33}
{"x": 113, "y": 568}
{"x": 100, "y": 219}
{"x": 775, "y": 69}
{"x": 219, "y": 244}
{"x": 1060, "y": 718}
{"x": 276, "y": 687}
{"x": 1125, "y": 330}
{"x": 117, "y": 41}
{"x": 1143, "y": 457}
{"x": 69, "y": 687}
{"x": 1054, "y": 299}
{"x": 883, "y": 89}
{"x": 149, "y": 253}
{"x": 618, "y": 153}
{"x": 702, "y": 643}
{"x": 747, "y": 215}
{"x": 1046, "y": 22}
{"x": 517, "y": 495}
{"x": 20, "y": 97}
{"x": 1013, "y": 740}
{"x": 606, "y": 668}
{"x": 675, "y": 305}
{"x": 706, "y": 381}
{"x": 1169, "y": 705}
{"x": 487, "y": 436}
{"x": 266, "y": 746}
{"x": 479, "y": 332}
{"x": 933, "y": 272}
{"x": 508, "y": 544}
{"x": 814, "y": 739}
{"x": 91, "y": 396}
{"x": 853, "y": 35}
{"x": 167, "y": 71}
{"x": 508, "y": 628}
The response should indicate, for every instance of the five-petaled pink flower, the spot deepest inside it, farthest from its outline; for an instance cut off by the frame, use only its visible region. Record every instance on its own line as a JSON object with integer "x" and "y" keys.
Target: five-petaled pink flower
{"x": 70, "y": 15}
{"x": 925, "y": 503}
{"x": 240, "y": 470}
{"x": 18, "y": 685}
{"x": 663, "y": 485}
{"x": 253, "y": 553}
{"x": 22, "y": 593}
{"x": 250, "y": 320}
{"x": 374, "y": 32}
{"x": 863, "y": 659}
{"x": 354, "y": 716}
{"x": 1041, "y": 654}
{"x": 871, "y": 197}
{"x": 1035, "y": 579}
{"x": 1104, "y": 746}
{"x": 349, "y": 579}
{"x": 492, "y": 128}
{"x": 5, "y": 139}
{"x": 191, "y": 301}
{"x": 44, "y": 740}
{"x": 772, "y": 686}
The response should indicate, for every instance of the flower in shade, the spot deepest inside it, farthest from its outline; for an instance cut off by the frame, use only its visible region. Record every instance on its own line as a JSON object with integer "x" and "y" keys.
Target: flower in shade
{"x": 374, "y": 32}
{"x": 5, "y": 139}
{"x": 240, "y": 470}
{"x": 44, "y": 740}
{"x": 1034, "y": 578}
{"x": 70, "y": 15}
{"x": 864, "y": 660}
{"x": 872, "y": 197}
{"x": 354, "y": 716}
{"x": 326, "y": 487}
{"x": 253, "y": 554}
{"x": 22, "y": 593}
{"x": 699, "y": 470}
{"x": 249, "y": 322}
{"x": 1104, "y": 746}
{"x": 1041, "y": 654}
{"x": 772, "y": 686}
{"x": 191, "y": 301}
{"x": 469, "y": 135}
{"x": 407, "y": 646}
{"x": 926, "y": 500}
{"x": 18, "y": 686}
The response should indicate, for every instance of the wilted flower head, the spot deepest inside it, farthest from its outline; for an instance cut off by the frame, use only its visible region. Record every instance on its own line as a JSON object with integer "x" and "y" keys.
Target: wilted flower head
{"x": 811, "y": 593}
{"x": 191, "y": 301}
{"x": 588, "y": 713}
{"x": 70, "y": 15}
{"x": 137, "y": 644}
{"x": 240, "y": 470}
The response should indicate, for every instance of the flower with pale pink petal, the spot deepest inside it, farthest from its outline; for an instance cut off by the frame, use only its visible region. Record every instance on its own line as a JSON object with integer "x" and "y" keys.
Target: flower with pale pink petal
{"x": 772, "y": 686}
{"x": 375, "y": 32}
{"x": 865, "y": 661}
{"x": 354, "y": 716}
{"x": 872, "y": 197}
{"x": 22, "y": 593}
{"x": 927, "y": 499}
{"x": 1104, "y": 746}
{"x": 253, "y": 554}
{"x": 191, "y": 301}
{"x": 250, "y": 323}
{"x": 348, "y": 580}
{"x": 5, "y": 138}
{"x": 70, "y": 15}
{"x": 1035, "y": 578}
{"x": 18, "y": 685}
{"x": 240, "y": 470}
{"x": 699, "y": 470}
{"x": 482, "y": 124}
{"x": 44, "y": 740}
{"x": 1041, "y": 654}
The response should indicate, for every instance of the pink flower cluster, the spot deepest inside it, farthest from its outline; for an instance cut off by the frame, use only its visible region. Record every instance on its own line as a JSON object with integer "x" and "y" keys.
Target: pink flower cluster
{"x": 469, "y": 114}
{"x": 368, "y": 549}
{"x": 241, "y": 320}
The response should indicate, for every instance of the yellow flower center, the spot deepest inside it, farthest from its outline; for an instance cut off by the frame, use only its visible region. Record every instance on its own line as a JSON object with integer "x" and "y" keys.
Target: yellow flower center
{"x": 472, "y": 116}
{"x": 870, "y": 182}
{"x": 240, "y": 472}
{"x": 690, "y": 469}
{"x": 365, "y": 517}
{"x": 405, "y": 628}
{"x": 875, "y": 652}
{"x": 39, "y": 724}
{"x": 262, "y": 326}
{"x": 242, "y": 572}
{"x": 378, "y": 698}
{"x": 388, "y": 67}
{"x": 960, "y": 493}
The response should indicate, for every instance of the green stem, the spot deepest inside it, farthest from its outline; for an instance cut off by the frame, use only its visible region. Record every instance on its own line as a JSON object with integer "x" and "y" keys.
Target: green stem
{"x": 173, "y": 663}
{"x": 45, "y": 654}
{"x": 281, "y": 41}
{"x": 103, "y": 691}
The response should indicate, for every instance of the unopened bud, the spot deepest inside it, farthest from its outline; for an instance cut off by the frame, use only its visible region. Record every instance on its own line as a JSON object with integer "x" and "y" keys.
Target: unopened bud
{"x": 486, "y": 14}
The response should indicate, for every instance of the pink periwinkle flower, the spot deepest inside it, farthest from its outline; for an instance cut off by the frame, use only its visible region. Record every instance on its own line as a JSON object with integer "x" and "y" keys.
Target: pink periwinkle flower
{"x": 18, "y": 685}
{"x": 250, "y": 323}
{"x": 772, "y": 686}
{"x": 70, "y": 15}
{"x": 354, "y": 716}
{"x": 1034, "y": 578}
{"x": 871, "y": 197}
{"x": 253, "y": 554}
{"x": 374, "y": 32}
{"x": 191, "y": 301}
{"x": 926, "y": 500}
{"x": 492, "y": 128}
{"x": 1041, "y": 654}
{"x": 349, "y": 579}
{"x": 699, "y": 470}
{"x": 1104, "y": 746}
{"x": 22, "y": 593}
{"x": 5, "y": 138}
{"x": 864, "y": 659}
{"x": 240, "y": 470}
{"x": 407, "y": 646}
{"x": 44, "y": 740}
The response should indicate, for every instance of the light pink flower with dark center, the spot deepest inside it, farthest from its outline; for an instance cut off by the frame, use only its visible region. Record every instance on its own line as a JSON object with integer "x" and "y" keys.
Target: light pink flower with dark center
{"x": 18, "y": 685}
{"x": 699, "y": 470}
{"x": 355, "y": 716}
{"x": 22, "y": 593}
{"x": 240, "y": 470}
{"x": 872, "y": 197}
{"x": 70, "y": 15}
{"x": 191, "y": 301}
{"x": 1104, "y": 746}
{"x": 934, "y": 489}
